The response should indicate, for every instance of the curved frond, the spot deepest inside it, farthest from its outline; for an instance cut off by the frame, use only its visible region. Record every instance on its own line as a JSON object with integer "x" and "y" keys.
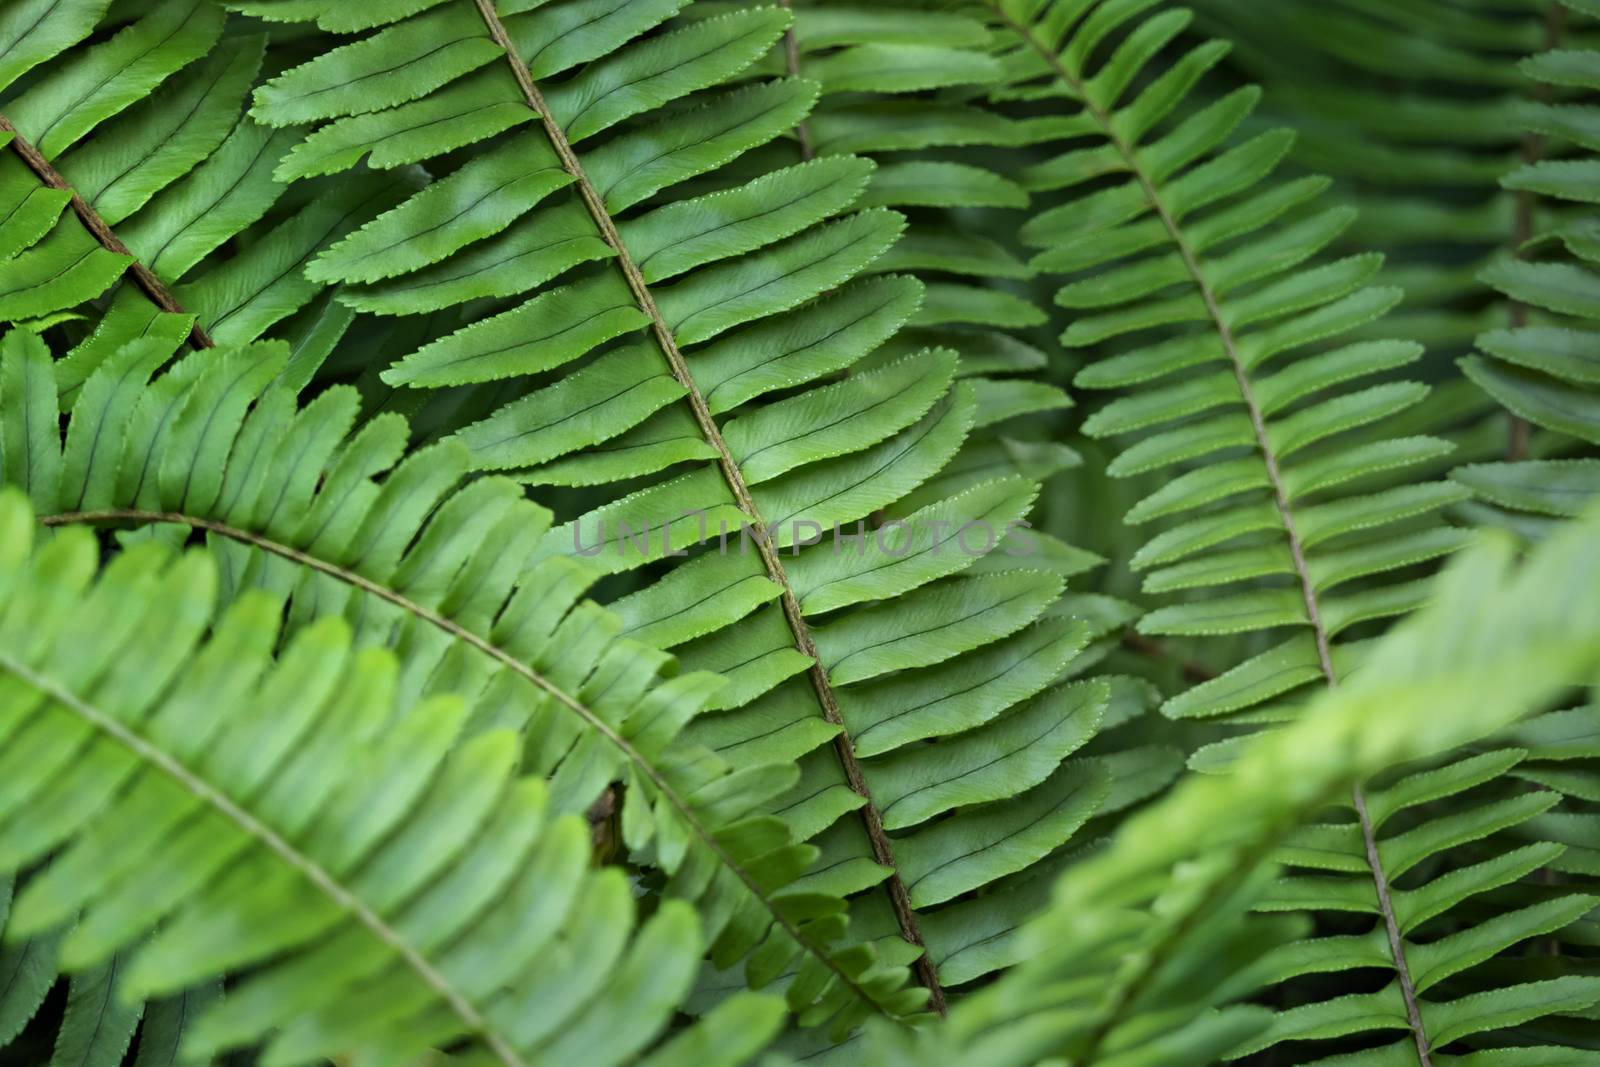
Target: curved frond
{"x": 207, "y": 809}
{"x": 304, "y": 503}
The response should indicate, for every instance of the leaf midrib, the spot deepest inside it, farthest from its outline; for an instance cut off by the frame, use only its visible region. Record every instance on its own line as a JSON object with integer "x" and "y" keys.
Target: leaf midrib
{"x": 1274, "y": 476}
{"x": 274, "y": 842}
{"x": 152, "y": 286}
{"x": 883, "y": 850}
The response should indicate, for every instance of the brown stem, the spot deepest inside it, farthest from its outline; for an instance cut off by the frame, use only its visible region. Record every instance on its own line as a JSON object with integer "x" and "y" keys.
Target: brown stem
{"x": 500, "y": 656}
{"x": 1521, "y": 230}
{"x": 158, "y": 293}
{"x": 882, "y": 850}
{"x": 791, "y": 59}
{"x": 1280, "y": 494}
{"x": 1516, "y": 437}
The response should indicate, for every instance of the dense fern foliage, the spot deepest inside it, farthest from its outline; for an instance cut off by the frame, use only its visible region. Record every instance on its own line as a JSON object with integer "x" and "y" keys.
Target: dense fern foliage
{"x": 546, "y": 531}
{"x": 1460, "y": 198}
{"x": 1542, "y": 371}
{"x": 1145, "y": 947}
{"x": 1418, "y": 126}
{"x": 402, "y": 904}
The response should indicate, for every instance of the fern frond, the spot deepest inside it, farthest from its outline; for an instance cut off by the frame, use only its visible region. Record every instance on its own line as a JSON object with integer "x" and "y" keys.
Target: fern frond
{"x": 660, "y": 331}
{"x": 1260, "y": 459}
{"x": 140, "y": 132}
{"x": 1193, "y": 278}
{"x": 306, "y": 504}
{"x": 426, "y": 895}
{"x": 1540, "y": 368}
{"x": 1148, "y": 947}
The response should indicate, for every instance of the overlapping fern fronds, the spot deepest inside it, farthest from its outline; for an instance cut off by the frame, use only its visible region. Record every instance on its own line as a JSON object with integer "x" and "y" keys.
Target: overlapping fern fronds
{"x": 1148, "y": 950}
{"x": 1196, "y": 283}
{"x": 892, "y": 87}
{"x": 388, "y": 886}
{"x": 1450, "y": 837}
{"x": 1436, "y": 167}
{"x": 293, "y": 503}
{"x": 737, "y": 290}
{"x": 303, "y": 503}
{"x": 901, "y": 85}
{"x": 674, "y": 359}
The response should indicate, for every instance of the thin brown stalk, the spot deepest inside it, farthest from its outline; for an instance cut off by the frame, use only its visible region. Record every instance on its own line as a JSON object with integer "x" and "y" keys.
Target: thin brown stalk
{"x": 882, "y": 849}
{"x": 153, "y": 287}
{"x": 791, "y": 60}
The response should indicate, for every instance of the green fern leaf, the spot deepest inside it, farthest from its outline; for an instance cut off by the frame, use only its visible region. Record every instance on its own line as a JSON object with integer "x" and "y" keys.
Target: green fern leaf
{"x": 28, "y": 968}
{"x": 444, "y": 885}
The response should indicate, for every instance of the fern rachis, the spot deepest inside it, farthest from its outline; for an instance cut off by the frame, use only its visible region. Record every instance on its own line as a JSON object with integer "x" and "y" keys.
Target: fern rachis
{"x": 1097, "y": 106}
{"x": 152, "y": 286}
{"x": 734, "y": 477}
